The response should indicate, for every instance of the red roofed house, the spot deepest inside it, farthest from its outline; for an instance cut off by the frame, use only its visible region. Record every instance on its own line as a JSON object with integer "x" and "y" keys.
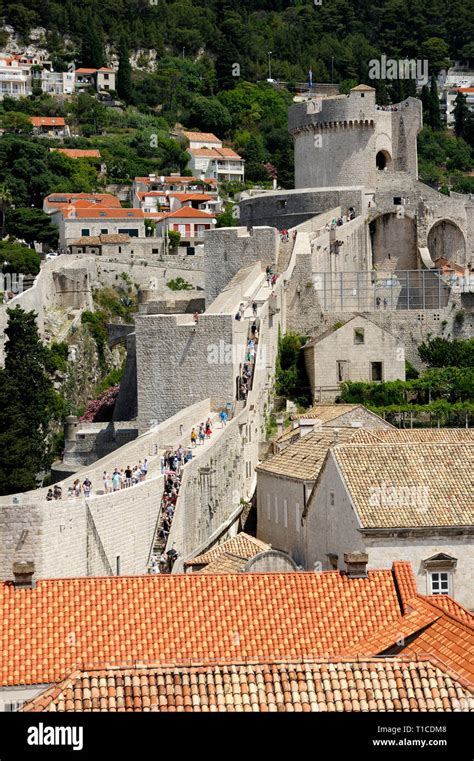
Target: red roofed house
{"x": 100, "y": 80}
{"x": 50, "y": 126}
{"x": 56, "y": 626}
{"x": 191, "y": 223}
{"x": 210, "y": 159}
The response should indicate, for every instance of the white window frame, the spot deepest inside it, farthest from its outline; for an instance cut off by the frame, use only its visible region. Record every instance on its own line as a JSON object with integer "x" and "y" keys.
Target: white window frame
{"x": 444, "y": 584}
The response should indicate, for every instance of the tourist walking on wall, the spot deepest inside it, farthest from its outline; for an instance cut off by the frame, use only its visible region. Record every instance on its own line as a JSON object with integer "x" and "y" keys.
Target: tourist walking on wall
{"x": 193, "y": 437}
{"x": 86, "y": 486}
{"x": 223, "y": 417}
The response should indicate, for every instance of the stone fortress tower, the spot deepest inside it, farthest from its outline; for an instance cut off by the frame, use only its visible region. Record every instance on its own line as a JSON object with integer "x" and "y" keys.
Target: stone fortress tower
{"x": 344, "y": 140}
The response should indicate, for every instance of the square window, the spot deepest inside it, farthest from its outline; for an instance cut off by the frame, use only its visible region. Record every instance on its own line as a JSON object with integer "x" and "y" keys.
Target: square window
{"x": 85, "y": 232}
{"x": 359, "y": 336}
{"x": 397, "y": 201}
{"x": 440, "y": 582}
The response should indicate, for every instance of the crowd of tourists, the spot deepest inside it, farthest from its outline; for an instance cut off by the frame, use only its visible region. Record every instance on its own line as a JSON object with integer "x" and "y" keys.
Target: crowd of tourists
{"x": 339, "y": 221}
{"x": 119, "y": 479}
{"x": 200, "y": 433}
{"x": 271, "y": 277}
{"x": 245, "y": 380}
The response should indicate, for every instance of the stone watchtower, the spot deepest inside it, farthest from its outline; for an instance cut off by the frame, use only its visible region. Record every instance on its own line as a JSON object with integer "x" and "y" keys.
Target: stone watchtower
{"x": 347, "y": 139}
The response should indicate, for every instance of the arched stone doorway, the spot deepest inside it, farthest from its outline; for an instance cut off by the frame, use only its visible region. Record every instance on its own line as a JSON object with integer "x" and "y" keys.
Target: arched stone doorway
{"x": 446, "y": 240}
{"x": 383, "y": 160}
{"x": 394, "y": 242}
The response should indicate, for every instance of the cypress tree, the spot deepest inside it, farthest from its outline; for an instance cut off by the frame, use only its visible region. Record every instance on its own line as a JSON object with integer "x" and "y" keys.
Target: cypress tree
{"x": 26, "y": 404}
{"x": 435, "y": 115}
{"x": 92, "y": 51}
{"x": 461, "y": 114}
{"x": 124, "y": 73}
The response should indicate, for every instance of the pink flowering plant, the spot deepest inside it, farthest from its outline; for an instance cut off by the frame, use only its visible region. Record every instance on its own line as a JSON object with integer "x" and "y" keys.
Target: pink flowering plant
{"x": 101, "y": 409}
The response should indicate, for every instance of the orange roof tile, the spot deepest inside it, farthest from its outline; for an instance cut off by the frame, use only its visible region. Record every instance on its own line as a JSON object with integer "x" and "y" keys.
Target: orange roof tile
{"x": 47, "y": 121}
{"x": 371, "y": 684}
{"x": 188, "y": 212}
{"x": 47, "y": 631}
{"x": 77, "y": 153}
{"x": 80, "y": 211}
{"x": 202, "y": 137}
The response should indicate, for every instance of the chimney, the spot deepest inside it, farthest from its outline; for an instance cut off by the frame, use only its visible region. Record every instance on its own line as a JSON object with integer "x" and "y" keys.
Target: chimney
{"x": 336, "y": 435}
{"x": 23, "y": 574}
{"x": 279, "y": 423}
{"x": 356, "y": 564}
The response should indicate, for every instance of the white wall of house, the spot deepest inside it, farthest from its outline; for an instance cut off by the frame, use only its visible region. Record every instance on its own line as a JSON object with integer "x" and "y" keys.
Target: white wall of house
{"x": 418, "y": 547}
{"x": 378, "y": 345}
{"x": 280, "y": 504}
{"x": 73, "y": 229}
{"x": 331, "y": 526}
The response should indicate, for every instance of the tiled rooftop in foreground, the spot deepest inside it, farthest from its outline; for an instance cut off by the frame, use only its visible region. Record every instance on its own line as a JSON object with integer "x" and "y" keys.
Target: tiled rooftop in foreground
{"x": 372, "y": 684}
{"x": 48, "y": 631}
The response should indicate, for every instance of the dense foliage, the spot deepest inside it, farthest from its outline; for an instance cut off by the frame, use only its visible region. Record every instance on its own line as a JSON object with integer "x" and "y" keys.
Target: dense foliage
{"x": 28, "y": 404}
{"x": 291, "y": 379}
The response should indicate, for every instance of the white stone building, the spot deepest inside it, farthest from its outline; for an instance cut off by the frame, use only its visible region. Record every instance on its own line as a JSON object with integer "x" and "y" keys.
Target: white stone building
{"x": 404, "y": 495}
{"x": 209, "y": 158}
{"x": 358, "y": 350}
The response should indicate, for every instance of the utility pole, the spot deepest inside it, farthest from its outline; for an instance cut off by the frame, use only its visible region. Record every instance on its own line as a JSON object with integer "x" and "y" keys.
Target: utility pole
{"x": 332, "y": 69}
{"x": 269, "y": 64}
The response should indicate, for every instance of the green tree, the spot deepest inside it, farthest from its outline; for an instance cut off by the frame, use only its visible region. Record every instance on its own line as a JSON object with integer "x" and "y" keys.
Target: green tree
{"x": 435, "y": 115}
{"x": 174, "y": 238}
{"x": 16, "y": 122}
{"x": 19, "y": 258}
{"x": 124, "y": 73}
{"x": 6, "y": 198}
{"x": 461, "y": 114}
{"x": 92, "y": 51}
{"x": 28, "y": 404}
{"x": 210, "y": 115}
{"x": 32, "y": 225}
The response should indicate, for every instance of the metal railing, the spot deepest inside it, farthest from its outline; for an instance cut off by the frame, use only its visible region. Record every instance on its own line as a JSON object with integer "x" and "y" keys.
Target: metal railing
{"x": 369, "y": 291}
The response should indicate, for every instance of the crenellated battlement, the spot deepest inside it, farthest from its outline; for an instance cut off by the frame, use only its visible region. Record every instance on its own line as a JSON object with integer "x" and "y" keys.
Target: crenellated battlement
{"x": 349, "y": 139}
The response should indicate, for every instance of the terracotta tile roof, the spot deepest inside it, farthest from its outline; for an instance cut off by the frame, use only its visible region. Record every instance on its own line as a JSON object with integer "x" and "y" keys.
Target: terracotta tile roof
{"x": 409, "y": 484}
{"x": 370, "y": 684}
{"x": 61, "y": 199}
{"x": 327, "y": 412}
{"x": 202, "y": 137}
{"x": 303, "y": 460}
{"x": 47, "y": 121}
{"x": 45, "y": 632}
{"x": 428, "y": 629}
{"x": 447, "y": 639}
{"x": 77, "y": 153}
{"x": 93, "y": 211}
{"x": 98, "y": 240}
{"x": 187, "y": 212}
{"x": 214, "y": 153}
{"x": 449, "y": 605}
{"x": 434, "y": 435}
{"x": 240, "y": 548}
